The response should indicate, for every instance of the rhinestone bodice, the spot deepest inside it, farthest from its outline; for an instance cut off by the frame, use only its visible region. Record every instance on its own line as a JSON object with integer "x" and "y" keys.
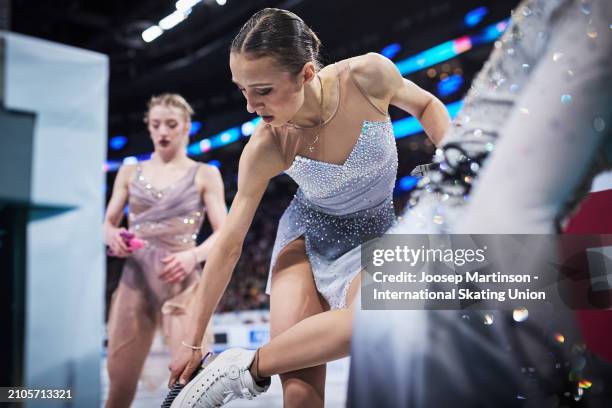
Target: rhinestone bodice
{"x": 365, "y": 179}
{"x": 338, "y": 207}
{"x": 171, "y": 217}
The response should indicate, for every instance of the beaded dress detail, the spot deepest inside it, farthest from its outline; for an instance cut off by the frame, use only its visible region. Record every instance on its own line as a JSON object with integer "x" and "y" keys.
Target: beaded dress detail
{"x": 340, "y": 206}
{"x": 168, "y": 220}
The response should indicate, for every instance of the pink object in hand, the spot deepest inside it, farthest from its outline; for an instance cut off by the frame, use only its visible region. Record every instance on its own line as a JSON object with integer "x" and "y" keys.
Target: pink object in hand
{"x": 136, "y": 243}
{"x": 131, "y": 241}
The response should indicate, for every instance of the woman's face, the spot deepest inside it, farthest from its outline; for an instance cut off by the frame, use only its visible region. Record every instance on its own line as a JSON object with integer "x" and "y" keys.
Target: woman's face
{"x": 273, "y": 93}
{"x": 168, "y": 128}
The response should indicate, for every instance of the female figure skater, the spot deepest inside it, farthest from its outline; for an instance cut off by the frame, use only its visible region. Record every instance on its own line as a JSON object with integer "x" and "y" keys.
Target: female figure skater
{"x": 330, "y": 131}
{"x": 168, "y": 196}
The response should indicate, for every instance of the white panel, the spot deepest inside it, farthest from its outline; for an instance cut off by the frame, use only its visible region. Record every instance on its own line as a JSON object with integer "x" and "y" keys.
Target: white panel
{"x": 67, "y": 89}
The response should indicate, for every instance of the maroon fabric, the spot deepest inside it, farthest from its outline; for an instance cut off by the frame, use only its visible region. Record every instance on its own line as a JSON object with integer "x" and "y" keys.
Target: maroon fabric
{"x": 595, "y": 217}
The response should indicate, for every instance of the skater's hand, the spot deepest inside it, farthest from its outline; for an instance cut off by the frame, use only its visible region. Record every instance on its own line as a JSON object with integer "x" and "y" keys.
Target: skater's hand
{"x": 178, "y": 266}
{"x": 183, "y": 366}
{"x": 116, "y": 243}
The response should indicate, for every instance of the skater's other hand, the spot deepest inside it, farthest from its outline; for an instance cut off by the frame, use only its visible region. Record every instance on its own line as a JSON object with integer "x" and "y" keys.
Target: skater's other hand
{"x": 184, "y": 365}
{"x": 117, "y": 245}
{"x": 178, "y": 266}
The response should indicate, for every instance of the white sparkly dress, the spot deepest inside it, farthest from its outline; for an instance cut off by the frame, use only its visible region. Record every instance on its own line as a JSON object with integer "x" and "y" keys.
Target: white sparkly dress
{"x": 339, "y": 206}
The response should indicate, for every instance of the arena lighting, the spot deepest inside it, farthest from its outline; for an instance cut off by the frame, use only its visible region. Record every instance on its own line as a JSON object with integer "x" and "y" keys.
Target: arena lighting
{"x": 114, "y": 165}
{"x": 151, "y": 33}
{"x": 491, "y": 33}
{"x": 403, "y": 127}
{"x": 225, "y": 138}
{"x": 407, "y": 183}
{"x": 474, "y": 17}
{"x": 449, "y": 85}
{"x": 221, "y": 2}
{"x": 391, "y": 50}
{"x": 195, "y": 128}
{"x": 183, "y": 9}
{"x": 130, "y": 160}
{"x": 173, "y": 19}
{"x": 203, "y": 146}
{"x": 184, "y": 5}
{"x": 117, "y": 142}
{"x": 247, "y": 128}
{"x": 450, "y": 49}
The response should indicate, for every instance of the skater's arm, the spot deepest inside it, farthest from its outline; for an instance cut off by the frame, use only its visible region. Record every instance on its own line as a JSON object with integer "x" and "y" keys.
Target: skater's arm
{"x": 382, "y": 81}
{"x": 114, "y": 212}
{"x": 428, "y": 109}
{"x": 259, "y": 162}
{"x": 213, "y": 197}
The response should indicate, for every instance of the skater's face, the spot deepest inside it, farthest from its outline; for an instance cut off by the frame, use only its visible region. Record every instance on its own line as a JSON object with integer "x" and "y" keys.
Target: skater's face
{"x": 270, "y": 91}
{"x": 168, "y": 127}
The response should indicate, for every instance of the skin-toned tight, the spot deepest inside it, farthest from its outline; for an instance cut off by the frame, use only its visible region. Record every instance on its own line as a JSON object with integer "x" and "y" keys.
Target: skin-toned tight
{"x": 131, "y": 329}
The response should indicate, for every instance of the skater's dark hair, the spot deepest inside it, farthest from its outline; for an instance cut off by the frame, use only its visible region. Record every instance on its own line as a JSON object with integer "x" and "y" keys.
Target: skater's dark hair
{"x": 280, "y": 34}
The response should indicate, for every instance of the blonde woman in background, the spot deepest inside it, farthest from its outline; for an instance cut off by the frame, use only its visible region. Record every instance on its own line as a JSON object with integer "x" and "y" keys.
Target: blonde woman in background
{"x": 168, "y": 198}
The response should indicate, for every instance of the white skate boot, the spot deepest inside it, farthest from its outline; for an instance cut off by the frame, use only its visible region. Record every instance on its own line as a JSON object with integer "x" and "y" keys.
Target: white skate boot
{"x": 226, "y": 378}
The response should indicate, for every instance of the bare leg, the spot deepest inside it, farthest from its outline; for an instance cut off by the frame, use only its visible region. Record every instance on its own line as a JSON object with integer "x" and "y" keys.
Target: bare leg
{"x": 130, "y": 332}
{"x": 312, "y": 341}
{"x": 294, "y": 297}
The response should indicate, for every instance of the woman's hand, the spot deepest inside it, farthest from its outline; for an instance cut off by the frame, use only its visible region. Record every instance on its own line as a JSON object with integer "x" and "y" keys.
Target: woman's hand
{"x": 183, "y": 366}
{"x": 118, "y": 246}
{"x": 178, "y": 266}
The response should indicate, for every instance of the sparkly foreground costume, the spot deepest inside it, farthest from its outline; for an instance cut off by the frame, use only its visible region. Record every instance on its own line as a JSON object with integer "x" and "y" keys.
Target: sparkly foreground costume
{"x": 545, "y": 92}
{"x": 168, "y": 220}
{"x": 493, "y": 101}
{"x": 339, "y": 206}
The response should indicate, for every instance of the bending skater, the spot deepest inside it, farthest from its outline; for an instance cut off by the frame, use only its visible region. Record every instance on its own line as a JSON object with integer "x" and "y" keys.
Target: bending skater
{"x": 168, "y": 197}
{"x": 329, "y": 129}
